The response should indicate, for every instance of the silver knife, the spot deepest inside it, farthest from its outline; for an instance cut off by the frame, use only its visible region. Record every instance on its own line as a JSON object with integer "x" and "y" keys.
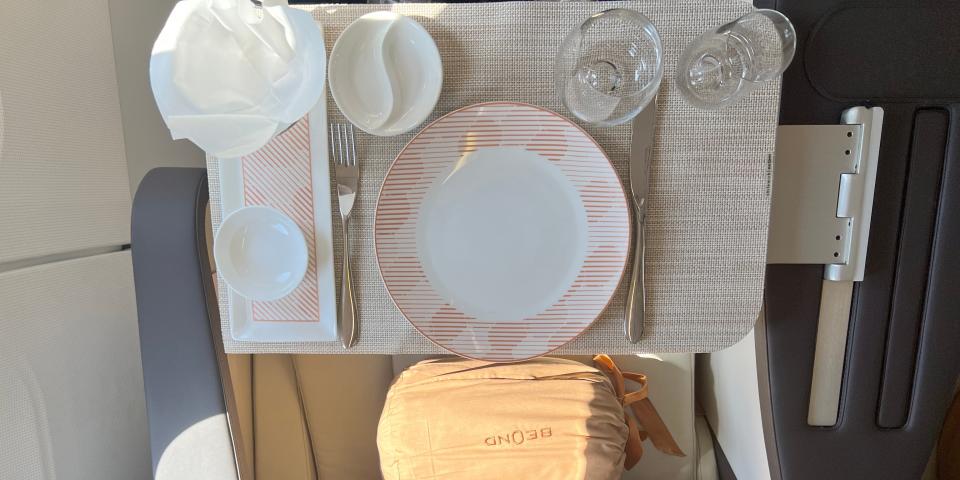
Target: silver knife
{"x": 641, "y": 154}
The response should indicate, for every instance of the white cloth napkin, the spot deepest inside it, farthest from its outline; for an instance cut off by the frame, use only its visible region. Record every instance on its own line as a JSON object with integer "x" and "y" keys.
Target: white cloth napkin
{"x": 229, "y": 75}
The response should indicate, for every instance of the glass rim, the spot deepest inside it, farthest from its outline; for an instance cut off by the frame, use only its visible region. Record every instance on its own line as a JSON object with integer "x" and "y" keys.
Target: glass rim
{"x": 650, "y": 31}
{"x": 776, "y": 17}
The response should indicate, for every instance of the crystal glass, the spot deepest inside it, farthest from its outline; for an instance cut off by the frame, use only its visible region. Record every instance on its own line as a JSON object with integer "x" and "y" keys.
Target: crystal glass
{"x": 722, "y": 65}
{"x": 609, "y": 67}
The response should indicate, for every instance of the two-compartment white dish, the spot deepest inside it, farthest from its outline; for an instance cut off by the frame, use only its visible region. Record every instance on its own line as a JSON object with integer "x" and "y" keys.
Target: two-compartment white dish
{"x": 385, "y": 73}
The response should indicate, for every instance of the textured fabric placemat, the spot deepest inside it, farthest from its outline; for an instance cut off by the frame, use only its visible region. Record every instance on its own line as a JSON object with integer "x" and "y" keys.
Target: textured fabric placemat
{"x": 710, "y": 178}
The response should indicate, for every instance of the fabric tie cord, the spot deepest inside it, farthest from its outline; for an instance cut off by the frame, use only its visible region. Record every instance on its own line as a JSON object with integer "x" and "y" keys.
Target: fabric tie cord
{"x": 637, "y": 408}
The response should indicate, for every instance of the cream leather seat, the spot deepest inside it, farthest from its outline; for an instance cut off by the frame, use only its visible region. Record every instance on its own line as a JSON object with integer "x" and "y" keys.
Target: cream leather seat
{"x": 315, "y": 416}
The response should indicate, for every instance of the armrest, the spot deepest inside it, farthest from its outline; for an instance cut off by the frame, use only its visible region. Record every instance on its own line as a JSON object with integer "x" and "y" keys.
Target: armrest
{"x": 901, "y": 364}
{"x": 189, "y": 432}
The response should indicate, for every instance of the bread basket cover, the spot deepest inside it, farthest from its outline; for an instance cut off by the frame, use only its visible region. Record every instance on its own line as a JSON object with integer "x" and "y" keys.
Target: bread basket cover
{"x": 465, "y": 419}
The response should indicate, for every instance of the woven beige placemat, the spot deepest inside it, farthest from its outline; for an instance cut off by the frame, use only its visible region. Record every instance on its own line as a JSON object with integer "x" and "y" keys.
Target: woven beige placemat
{"x": 710, "y": 178}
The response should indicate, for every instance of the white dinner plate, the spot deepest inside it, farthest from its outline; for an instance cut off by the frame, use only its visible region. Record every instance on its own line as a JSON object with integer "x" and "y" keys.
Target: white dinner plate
{"x": 502, "y": 231}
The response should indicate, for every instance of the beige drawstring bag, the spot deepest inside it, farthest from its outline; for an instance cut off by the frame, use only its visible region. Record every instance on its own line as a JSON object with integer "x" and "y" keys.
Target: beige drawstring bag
{"x": 546, "y": 418}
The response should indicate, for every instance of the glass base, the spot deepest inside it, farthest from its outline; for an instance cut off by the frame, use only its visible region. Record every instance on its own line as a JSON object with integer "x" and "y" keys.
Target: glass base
{"x": 602, "y": 76}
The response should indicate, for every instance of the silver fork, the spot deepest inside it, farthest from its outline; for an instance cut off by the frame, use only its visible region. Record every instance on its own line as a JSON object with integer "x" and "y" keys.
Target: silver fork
{"x": 344, "y": 152}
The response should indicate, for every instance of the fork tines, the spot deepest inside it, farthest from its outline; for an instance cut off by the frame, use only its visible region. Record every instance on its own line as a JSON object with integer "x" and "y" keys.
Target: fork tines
{"x": 342, "y": 144}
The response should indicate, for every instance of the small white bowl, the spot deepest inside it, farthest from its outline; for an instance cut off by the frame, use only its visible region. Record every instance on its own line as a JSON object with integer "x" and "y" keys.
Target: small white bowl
{"x": 385, "y": 73}
{"x": 261, "y": 253}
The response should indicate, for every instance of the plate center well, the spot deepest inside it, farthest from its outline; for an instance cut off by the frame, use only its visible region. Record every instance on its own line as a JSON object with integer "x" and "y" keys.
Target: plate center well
{"x": 502, "y": 235}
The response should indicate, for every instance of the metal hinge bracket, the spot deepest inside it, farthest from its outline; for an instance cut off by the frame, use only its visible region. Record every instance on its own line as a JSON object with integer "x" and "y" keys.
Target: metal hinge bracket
{"x": 823, "y": 183}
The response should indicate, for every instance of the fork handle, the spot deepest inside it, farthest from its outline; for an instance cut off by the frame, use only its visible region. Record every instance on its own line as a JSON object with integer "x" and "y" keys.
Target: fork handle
{"x": 347, "y": 324}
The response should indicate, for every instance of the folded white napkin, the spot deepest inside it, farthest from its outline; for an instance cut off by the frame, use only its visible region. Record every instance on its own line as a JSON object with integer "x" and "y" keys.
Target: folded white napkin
{"x": 229, "y": 75}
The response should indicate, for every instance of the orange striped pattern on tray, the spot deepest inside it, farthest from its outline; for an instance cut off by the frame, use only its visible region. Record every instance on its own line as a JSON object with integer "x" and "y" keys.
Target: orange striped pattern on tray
{"x": 429, "y": 157}
{"x": 279, "y": 175}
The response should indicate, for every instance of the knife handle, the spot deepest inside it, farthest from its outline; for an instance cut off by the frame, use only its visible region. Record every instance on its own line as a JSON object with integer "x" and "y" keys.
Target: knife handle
{"x": 637, "y": 296}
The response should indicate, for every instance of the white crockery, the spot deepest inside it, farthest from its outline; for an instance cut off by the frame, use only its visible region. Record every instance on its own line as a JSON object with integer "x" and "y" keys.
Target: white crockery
{"x": 502, "y": 231}
{"x": 230, "y": 76}
{"x": 261, "y": 253}
{"x": 385, "y": 73}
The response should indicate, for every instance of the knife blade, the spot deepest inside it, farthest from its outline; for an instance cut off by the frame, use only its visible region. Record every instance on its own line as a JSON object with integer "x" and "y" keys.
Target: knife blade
{"x": 641, "y": 154}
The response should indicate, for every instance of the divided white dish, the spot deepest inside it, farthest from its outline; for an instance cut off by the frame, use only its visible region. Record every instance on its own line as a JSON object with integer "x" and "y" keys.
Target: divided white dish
{"x": 385, "y": 73}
